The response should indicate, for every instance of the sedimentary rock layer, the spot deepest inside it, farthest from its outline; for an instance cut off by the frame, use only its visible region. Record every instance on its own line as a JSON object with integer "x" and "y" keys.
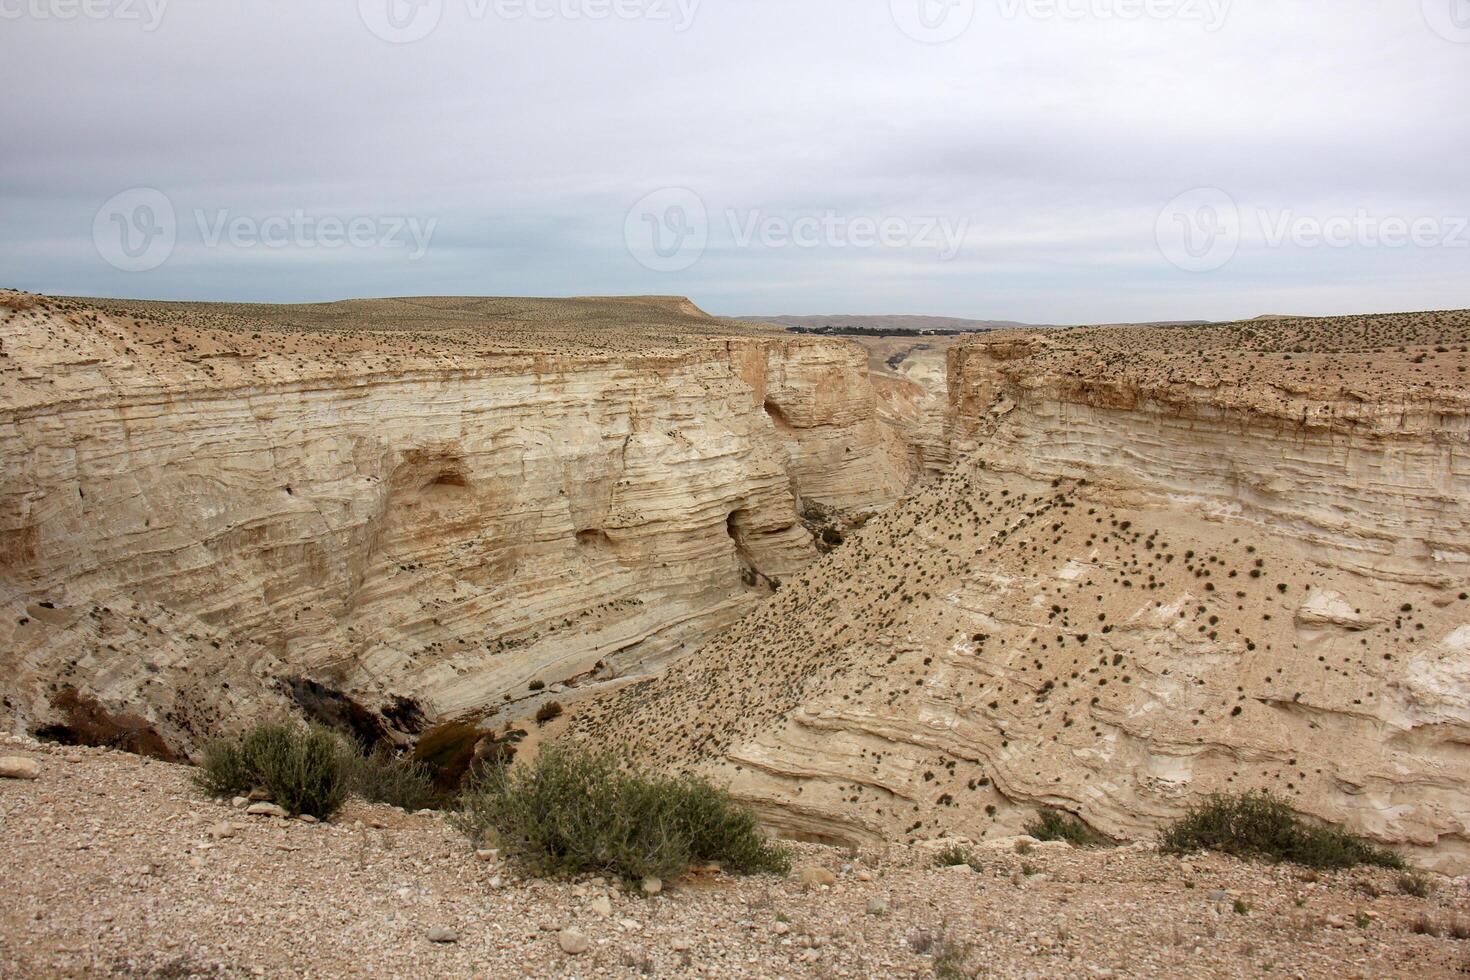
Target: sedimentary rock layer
{"x": 1165, "y": 563}
{"x": 388, "y": 514}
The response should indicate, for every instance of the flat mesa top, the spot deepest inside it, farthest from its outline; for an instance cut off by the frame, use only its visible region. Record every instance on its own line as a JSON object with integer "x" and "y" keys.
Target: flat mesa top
{"x": 1370, "y": 357}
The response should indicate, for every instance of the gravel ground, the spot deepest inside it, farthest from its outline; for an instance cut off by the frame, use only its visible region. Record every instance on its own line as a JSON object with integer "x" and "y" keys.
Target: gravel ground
{"x": 116, "y": 865}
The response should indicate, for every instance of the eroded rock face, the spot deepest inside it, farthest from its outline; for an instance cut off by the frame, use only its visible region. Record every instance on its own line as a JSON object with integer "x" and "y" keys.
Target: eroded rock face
{"x": 209, "y": 515}
{"x": 1166, "y": 563}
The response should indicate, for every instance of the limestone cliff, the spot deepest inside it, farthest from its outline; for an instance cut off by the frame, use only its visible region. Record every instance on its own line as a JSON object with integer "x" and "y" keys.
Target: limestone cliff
{"x": 391, "y": 512}
{"x": 1166, "y": 562}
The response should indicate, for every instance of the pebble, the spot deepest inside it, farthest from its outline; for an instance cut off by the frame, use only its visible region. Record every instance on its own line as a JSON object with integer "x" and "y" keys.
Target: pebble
{"x": 602, "y": 905}
{"x": 572, "y": 942}
{"x": 652, "y": 885}
{"x": 443, "y": 934}
{"x": 19, "y": 767}
{"x": 877, "y": 906}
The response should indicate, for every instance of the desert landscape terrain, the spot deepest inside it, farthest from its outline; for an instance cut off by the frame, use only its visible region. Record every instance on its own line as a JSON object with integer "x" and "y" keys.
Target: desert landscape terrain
{"x": 899, "y": 595}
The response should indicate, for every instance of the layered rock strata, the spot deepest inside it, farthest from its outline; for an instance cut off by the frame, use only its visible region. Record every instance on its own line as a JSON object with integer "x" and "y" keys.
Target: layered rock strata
{"x": 389, "y": 514}
{"x": 1166, "y": 563}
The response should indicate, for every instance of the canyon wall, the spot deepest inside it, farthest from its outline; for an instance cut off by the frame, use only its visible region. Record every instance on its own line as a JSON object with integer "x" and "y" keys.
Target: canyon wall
{"x": 200, "y": 526}
{"x": 1165, "y": 563}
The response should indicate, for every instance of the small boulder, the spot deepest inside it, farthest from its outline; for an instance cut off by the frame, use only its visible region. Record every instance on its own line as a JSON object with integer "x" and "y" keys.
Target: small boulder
{"x": 815, "y": 876}
{"x": 602, "y": 905}
{"x": 443, "y": 934}
{"x": 652, "y": 885}
{"x": 19, "y": 767}
{"x": 572, "y": 942}
{"x": 877, "y": 906}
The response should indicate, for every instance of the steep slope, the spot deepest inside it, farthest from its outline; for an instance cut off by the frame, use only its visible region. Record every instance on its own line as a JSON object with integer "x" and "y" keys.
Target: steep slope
{"x": 387, "y": 512}
{"x": 1168, "y": 562}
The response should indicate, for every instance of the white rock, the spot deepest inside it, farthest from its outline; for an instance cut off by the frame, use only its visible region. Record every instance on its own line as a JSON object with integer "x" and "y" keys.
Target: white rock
{"x": 572, "y": 942}
{"x": 652, "y": 885}
{"x": 19, "y": 767}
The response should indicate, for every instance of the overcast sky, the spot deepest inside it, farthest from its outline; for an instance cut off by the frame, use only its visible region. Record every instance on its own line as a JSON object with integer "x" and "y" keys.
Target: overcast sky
{"x": 1016, "y": 159}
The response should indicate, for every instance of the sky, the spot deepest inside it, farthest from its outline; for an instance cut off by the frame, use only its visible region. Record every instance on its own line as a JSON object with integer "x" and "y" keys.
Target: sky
{"x": 1048, "y": 161}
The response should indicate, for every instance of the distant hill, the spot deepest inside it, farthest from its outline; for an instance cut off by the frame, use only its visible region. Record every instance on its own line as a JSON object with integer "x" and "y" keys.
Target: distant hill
{"x": 893, "y": 323}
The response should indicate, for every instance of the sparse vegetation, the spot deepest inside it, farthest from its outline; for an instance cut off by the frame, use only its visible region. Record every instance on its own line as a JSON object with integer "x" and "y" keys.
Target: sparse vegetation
{"x": 951, "y": 956}
{"x": 1415, "y": 884}
{"x": 302, "y": 770}
{"x": 311, "y": 771}
{"x": 572, "y": 812}
{"x": 1056, "y": 825}
{"x": 953, "y": 855}
{"x": 1259, "y": 825}
{"x": 383, "y": 777}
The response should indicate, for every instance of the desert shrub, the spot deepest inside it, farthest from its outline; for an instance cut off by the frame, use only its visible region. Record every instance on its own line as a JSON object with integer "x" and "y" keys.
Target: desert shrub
{"x": 572, "y": 812}
{"x": 1413, "y": 883}
{"x": 1260, "y": 825}
{"x": 301, "y": 770}
{"x": 548, "y": 711}
{"x": 383, "y": 777}
{"x": 1056, "y": 825}
{"x": 953, "y": 855}
{"x": 951, "y": 956}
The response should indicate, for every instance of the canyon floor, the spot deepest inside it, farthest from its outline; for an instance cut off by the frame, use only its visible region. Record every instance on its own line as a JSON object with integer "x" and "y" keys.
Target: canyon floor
{"x": 115, "y": 865}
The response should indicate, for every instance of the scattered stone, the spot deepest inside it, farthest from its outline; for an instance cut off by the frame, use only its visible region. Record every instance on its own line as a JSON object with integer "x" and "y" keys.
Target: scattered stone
{"x": 266, "y": 810}
{"x": 877, "y": 906}
{"x": 602, "y": 905}
{"x": 488, "y": 854}
{"x": 572, "y": 942}
{"x": 443, "y": 934}
{"x": 652, "y": 885}
{"x": 19, "y": 767}
{"x": 222, "y": 830}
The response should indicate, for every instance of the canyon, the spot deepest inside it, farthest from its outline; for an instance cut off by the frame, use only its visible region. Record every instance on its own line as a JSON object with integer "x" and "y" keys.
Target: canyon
{"x": 386, "y": 515}
{"x": 1103, "y": 570}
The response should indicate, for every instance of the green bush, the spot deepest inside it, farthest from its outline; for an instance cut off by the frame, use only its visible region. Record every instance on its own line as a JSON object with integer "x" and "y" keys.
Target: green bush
{"x": 1261, "y": 825}
{"x": 1056, "y": 825}
{"x": 301, "y": 770}
{"x": 573, "y": 812}
{"x": 383, "y": 777}
{"x": 953, "y": 855}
